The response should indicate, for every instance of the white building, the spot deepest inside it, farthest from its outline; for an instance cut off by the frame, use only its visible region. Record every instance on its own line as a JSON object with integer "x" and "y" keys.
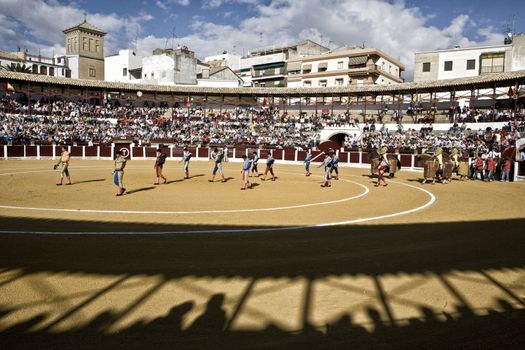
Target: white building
{"x": 230, "y": 60}
{"x": 57, "y": 66}
{"x": 470, "y": 62}
{"x": 266, "y": 67}
{"x": 356, "y": 66}
{"x": 170, "y": 67}
{"x": 219, "y": 77}
{"x": 124, "y": 67}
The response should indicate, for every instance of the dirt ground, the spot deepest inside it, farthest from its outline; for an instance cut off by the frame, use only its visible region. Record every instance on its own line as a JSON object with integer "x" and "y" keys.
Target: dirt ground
{"x": 286, "y": 264}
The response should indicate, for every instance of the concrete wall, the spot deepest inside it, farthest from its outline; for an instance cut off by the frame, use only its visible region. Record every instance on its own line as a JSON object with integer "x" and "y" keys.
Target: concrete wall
{"x": 388, "y": 67}
{"x": 248, "y": 62}
{"x": 226, "y": 60}
{"x": 518, "y": 53}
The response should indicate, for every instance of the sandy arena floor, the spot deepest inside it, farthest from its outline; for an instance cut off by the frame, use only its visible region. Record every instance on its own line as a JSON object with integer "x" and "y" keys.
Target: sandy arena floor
{"x": 287, "y": 264}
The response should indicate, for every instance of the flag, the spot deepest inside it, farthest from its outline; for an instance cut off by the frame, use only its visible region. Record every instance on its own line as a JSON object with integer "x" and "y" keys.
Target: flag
{"x": 9, "y": 87}
{"x": 516, "y": 89}
{"x": 510, "y": 93}
{"x": 519, "y": 91}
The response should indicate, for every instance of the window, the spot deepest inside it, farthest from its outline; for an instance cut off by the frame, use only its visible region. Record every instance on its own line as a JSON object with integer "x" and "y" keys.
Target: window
{"x": 152, "y": 75}
{"x": 322, "y": 83}
{"x": 68, "y": 73}
{"x": 471, "y": 64}
{"x": 91, "y": 45}
{"x": 339, "y": 81}
{"x": 307, "y": 83}
{"x": 43, "y": 70}
{"x": 448, "y": 66}
{"x": 52, "y": 71}
{"x": 124, "y": 72}
{"x": 97, "y": 46}
{"x": 35, "y": 69}
{"x": 426, "y": 66}
{"x": 340, "y": 65}
{"x": 92, "y": 72}
{"x": 492, "y": 63}
{"x": 85, "y": 44}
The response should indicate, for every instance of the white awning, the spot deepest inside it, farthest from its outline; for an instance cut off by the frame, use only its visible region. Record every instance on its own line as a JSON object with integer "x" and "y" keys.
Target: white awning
{"x": 354, "y": 61}
{"x": 291, "y": 66}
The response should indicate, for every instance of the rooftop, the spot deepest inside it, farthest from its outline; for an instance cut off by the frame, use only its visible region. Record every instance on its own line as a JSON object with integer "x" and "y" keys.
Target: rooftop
{"x": 85, "y": 26}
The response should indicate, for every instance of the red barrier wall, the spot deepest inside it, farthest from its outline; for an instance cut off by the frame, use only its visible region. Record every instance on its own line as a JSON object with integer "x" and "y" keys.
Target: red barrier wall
{"x": 105, "y": 151}
{"x": 46, "y": 151}
{"x": 151, "y": 152}
{"x": 76, "y": 151}
{"x": 138, "y": 152}
{"x": 354, "y": 157}
{"x": 289, "y": 154}
{"x": 15, "y": 151}
{"x": 31, "y": 151}
{"x": 277, "y": 154}
{"x": 91, "y": 151}
{"x": 406, "y": 160}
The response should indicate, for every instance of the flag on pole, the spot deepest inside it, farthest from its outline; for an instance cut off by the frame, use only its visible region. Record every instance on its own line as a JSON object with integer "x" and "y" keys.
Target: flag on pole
{"x": 515, "y": 90}
{"x": 9, "y": 87}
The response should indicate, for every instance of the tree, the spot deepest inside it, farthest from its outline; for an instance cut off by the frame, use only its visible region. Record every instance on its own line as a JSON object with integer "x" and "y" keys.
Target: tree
{"x": 19, "y": 68}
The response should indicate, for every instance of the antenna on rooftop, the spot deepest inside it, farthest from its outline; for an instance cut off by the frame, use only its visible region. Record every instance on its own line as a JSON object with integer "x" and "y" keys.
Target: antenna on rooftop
{"x": 85, "y": 16}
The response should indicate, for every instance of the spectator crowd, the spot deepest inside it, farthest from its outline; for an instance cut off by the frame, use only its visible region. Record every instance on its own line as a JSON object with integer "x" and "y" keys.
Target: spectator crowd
{"x": 68, "y": 122}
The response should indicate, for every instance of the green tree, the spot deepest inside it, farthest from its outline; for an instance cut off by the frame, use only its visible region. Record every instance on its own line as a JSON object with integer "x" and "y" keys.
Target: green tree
{"x": 19, "y": 68}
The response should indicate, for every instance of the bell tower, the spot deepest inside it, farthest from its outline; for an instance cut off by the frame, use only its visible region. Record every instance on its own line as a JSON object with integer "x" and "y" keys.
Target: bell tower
{"x": 85, "y": 51}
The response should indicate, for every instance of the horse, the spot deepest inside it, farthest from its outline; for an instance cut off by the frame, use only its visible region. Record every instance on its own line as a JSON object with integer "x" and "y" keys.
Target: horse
{"x": 375, "y": 158}
{"x": 431, "y": 168}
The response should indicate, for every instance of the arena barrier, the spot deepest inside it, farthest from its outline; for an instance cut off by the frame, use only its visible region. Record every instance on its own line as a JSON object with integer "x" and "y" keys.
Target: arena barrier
{"x": 234, "y": 154}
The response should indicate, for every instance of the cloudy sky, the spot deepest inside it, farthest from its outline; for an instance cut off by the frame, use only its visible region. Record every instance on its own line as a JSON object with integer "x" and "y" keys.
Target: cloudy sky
{"x": 209, "y": 27}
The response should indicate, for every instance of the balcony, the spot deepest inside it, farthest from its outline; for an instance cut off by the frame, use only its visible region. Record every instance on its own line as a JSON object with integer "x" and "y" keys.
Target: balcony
{"x": 269, "y": 73}
{"x": 492, "y": 69}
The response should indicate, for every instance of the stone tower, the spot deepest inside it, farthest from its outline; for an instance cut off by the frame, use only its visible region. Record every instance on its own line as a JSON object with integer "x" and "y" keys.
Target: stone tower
{"x": 85, "y": 51}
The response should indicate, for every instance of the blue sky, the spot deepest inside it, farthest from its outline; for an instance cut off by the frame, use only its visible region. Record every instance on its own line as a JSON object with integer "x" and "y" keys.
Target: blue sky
{"x": 209, "y": 27}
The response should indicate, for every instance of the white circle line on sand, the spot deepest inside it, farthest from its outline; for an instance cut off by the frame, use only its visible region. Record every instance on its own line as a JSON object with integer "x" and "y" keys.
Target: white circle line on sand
{"x": 366, "y": 190}
{"x": 244, "y": 230}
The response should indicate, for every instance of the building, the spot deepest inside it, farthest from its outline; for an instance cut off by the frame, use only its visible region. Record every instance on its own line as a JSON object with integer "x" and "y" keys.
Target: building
{"x": 52, "y": 66}
{"x": 85, "y": 51}
{"x": 230, "y": 60}
{"x": 267, "y": 67}
{"x": 219, "y": 77}
{"x": 355, "y": 66}
{"x": 126, "y": 66}
{"x": 470, "y": 62}
{"x": 170, "y": 67}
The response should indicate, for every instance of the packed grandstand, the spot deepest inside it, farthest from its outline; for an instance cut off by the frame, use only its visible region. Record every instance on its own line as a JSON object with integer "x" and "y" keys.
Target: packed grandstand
{"x": 78, "y": 122}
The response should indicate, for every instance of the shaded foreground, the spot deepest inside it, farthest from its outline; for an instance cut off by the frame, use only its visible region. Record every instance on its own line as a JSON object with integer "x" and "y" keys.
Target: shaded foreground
{"x": 374, "y": 252}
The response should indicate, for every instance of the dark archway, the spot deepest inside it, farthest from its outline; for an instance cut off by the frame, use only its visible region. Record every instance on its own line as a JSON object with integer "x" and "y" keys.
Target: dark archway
{"x": 339, "y": 139}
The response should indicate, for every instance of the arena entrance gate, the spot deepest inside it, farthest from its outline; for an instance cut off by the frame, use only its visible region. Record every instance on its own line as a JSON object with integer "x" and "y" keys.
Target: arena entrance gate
{"x": 124, "y": 147}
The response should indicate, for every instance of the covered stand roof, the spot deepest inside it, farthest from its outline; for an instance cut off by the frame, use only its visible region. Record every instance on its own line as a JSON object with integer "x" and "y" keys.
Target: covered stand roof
{"x": 461, "y": 84}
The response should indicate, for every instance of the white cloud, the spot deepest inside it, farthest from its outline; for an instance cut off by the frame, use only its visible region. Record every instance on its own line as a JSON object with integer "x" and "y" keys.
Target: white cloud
{"x": 161, "y": 5}
{"x": 43, "y": 25}
{"x": 181, "y": 2}
{"x": 394, "y": 27}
